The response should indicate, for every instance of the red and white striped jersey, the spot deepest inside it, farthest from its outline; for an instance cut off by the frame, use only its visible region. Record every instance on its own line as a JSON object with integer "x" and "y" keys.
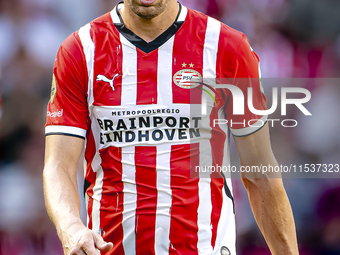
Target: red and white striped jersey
{"x": 145, "y": 134}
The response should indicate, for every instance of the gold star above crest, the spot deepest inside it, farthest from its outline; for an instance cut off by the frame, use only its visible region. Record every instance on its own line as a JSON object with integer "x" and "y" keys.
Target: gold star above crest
{"x": 191, "y": 65}
{"x": 184, "y": 65}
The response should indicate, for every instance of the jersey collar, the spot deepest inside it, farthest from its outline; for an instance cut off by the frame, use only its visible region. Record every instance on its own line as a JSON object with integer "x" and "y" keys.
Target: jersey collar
{"x": 139, "y": 42}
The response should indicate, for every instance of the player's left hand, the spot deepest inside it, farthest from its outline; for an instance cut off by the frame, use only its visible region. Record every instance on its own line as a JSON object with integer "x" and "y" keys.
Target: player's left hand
{"x": 89, "y": 243}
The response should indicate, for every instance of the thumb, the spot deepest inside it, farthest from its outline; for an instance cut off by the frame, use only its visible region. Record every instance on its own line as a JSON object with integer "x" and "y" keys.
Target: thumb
{"x": 101, "y": 244}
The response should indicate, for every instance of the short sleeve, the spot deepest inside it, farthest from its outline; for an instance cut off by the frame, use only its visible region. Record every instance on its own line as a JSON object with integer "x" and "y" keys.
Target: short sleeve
{"x": 246, "y": 74}
{"x": 67, "y": 110}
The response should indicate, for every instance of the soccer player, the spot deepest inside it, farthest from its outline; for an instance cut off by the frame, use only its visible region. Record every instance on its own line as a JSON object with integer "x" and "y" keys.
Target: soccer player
{"x": 123, "y": 88}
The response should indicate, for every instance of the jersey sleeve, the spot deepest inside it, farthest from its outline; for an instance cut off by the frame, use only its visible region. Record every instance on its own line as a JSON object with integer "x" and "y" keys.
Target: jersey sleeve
{"x": 246, "y": 74}
{"x": 67, "y": 110}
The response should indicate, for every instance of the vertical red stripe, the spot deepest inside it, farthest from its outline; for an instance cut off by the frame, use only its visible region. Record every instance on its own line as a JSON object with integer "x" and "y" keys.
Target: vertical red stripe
{"x": 185, "y": 199}
{"x": 90, "y": 152}
{"x": 146, "y": 181}
{"x": 147, "y": 77}
{"x": 90, "y": 206}
{"x": 217, "y": 141}
{"x": 108, "y": 62}
{"x": 193, "y": 60}
{"x": 111, "y": 208}
{"x": 216, "y": 187}
{"x": 90, "y": 175}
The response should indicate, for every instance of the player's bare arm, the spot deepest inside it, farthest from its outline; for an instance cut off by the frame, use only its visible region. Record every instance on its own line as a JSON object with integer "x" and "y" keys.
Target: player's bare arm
{"x": 62, "y": 197}
{"x": 267, "y": 195}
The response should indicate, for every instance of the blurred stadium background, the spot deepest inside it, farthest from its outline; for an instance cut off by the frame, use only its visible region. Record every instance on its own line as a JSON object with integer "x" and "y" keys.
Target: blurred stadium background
{"x": 294, "y": 39}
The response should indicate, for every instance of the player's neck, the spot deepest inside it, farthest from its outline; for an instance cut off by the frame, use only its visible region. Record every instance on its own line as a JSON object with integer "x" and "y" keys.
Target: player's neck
{"x": 150, "y": 29}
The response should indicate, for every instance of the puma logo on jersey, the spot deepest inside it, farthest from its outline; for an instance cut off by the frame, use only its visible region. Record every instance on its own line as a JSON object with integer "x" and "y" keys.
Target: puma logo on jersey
{"x": 103, "y": 78}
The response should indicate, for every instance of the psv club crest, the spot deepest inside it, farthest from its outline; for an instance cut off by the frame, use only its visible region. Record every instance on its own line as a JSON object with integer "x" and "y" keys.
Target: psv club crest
{"x": 187, "y": 79}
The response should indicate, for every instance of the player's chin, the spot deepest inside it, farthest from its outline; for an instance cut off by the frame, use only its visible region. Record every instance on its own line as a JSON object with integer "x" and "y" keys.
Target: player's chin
{"x": 148, "y": 12}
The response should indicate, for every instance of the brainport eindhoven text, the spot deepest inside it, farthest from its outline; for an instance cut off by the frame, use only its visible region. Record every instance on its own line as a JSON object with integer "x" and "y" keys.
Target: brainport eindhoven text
{"x": 157, "y": 128}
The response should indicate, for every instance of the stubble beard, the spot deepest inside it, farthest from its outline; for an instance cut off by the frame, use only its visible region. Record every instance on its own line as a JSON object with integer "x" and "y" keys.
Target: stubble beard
{"x": 148, "y": 12}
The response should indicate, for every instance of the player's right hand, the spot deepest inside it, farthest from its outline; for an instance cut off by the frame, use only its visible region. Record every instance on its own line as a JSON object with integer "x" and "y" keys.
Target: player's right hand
{"x": 85, "y": 241}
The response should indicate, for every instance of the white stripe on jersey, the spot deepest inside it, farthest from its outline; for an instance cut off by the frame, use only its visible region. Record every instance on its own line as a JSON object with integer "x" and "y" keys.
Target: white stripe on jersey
{"x": 129, "y": 98}
{"x": 183, "y": 14}
{"x": 226, "y": 149}
{"x": 129, "y": 79}
{"x": 226, "y": 229}
{"x": 89, "y": 49}
{"x": 205, "y": 206}
{"x": 164, "y": 73}
{"x": 204, "y": 233}
{"x": 211, "y": 48}
{"x": 97, "y": 196}
{"x": 65, "y": 129}
{"x": 115, "y": 18}
{"x": 164, "y": 193}
{"x": 164, "y": 200}
{"x": 98, "y": 188}
{"x": 204, "y": 210}
{"x": 130, "y": 199}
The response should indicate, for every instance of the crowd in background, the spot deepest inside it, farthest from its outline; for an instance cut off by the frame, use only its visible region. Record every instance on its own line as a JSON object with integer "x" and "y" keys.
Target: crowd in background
{"x": 294, "y": 39}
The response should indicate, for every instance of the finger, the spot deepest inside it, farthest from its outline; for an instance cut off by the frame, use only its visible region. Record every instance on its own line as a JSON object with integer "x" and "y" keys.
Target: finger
{"x": 77, "y": 251}
{"x": 101, "y": 244}
{"x": 87, "y": 245}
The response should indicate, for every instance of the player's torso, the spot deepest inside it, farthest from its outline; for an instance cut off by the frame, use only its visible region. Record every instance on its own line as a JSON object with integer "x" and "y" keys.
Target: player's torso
{"x": 141, "y": 98}
{"x": 147, "y": 135}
